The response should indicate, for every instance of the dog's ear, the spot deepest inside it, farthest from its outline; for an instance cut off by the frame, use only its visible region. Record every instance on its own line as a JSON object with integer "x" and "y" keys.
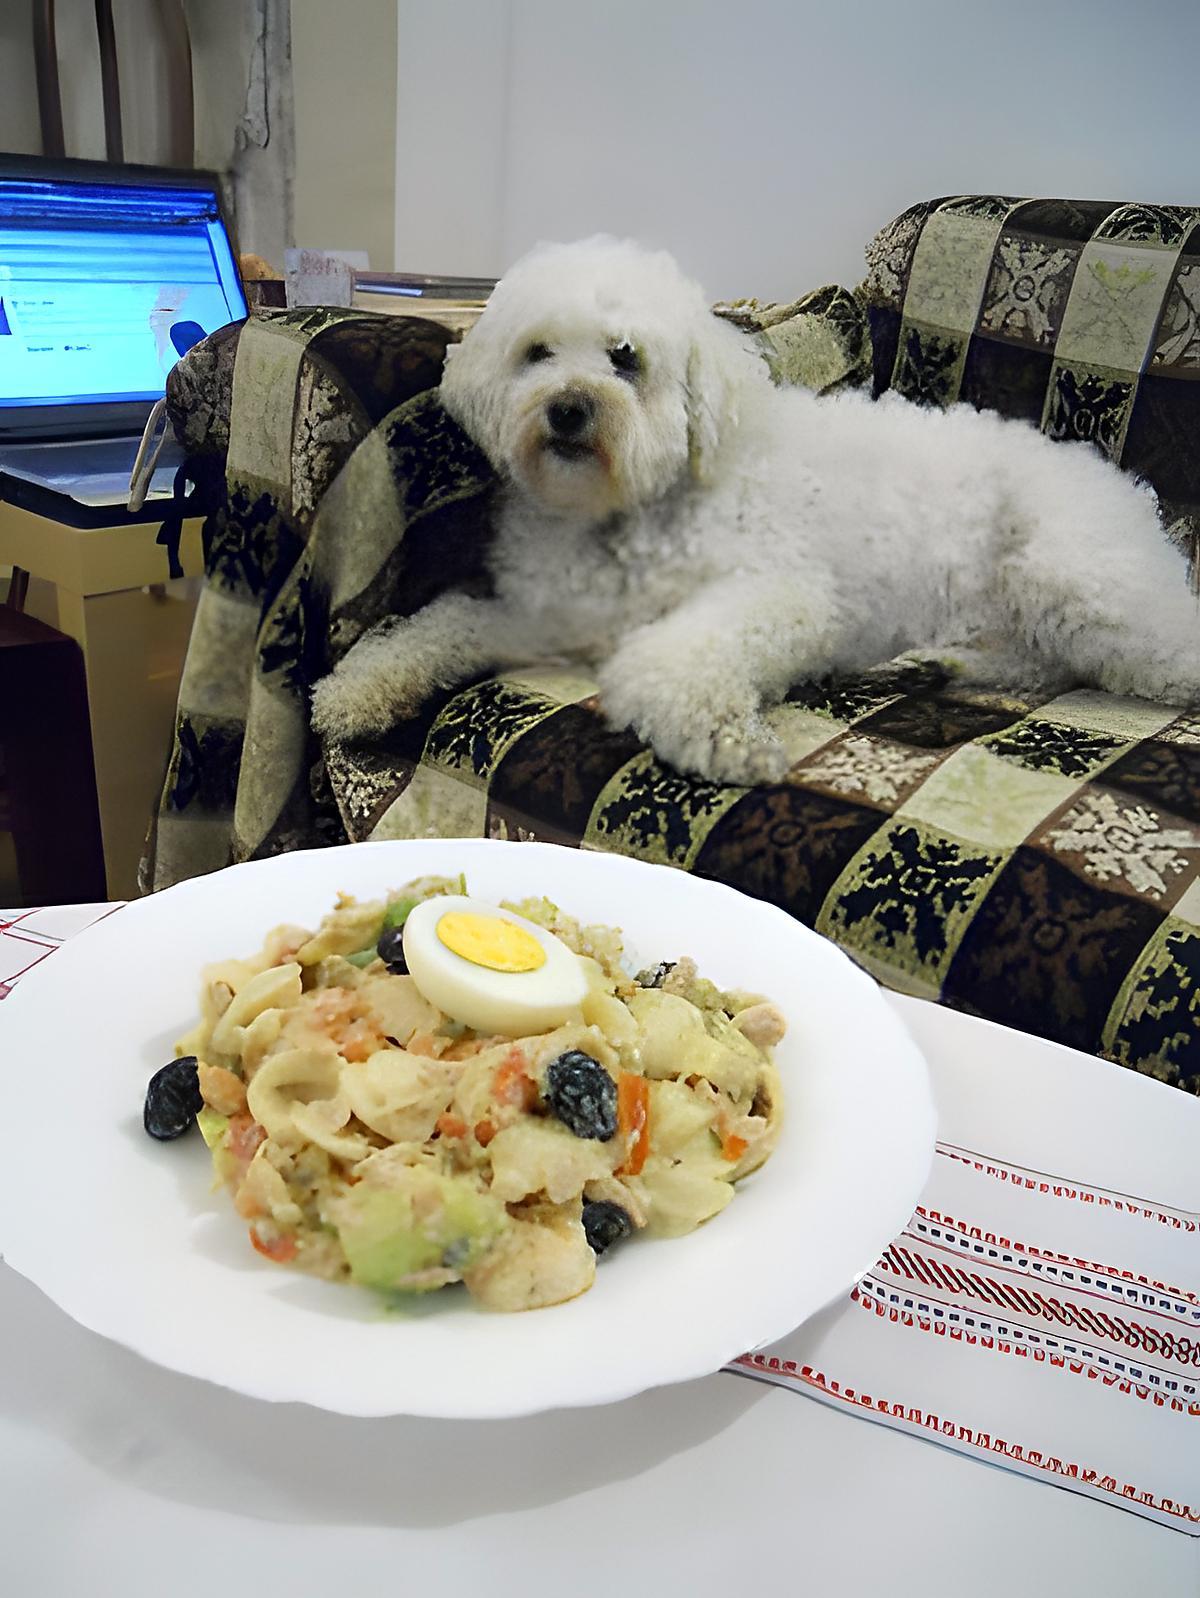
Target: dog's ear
{"x": 721, "y": 371}
{"x": 470, "y": 388}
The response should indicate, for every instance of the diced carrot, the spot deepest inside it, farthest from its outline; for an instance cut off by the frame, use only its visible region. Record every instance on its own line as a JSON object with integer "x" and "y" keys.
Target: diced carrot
{"x": 633, "y": 1120}
{"x": 484, "y": 1133}
{"x": 451, "y": 1125}
{"x": 511, "y": 1084}
{"x": 280, "y": 1249}
{"x": 360, "y": 1042}
{"x": 733, "y": 1147}
{"x": 243, "y": 1137}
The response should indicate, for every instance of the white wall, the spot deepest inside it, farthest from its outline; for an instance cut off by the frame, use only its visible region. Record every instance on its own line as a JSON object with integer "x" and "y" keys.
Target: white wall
{"x": 344, "y": 99}
{"x": 764, "y": 141}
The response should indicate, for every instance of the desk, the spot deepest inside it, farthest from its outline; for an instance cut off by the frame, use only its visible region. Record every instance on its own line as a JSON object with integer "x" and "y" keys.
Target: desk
{"x": 105, "y": 587}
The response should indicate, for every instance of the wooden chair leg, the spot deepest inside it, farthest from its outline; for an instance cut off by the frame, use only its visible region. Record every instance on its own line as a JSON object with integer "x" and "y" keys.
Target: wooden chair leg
{"x": 49, "y": 772}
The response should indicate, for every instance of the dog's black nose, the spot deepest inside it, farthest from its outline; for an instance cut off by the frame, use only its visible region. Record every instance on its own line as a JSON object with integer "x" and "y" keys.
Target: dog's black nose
{"x": 569, "y": 416}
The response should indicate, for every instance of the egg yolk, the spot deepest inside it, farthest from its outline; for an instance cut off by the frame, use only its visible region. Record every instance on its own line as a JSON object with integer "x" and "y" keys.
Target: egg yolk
{"x": 490, "y": 942}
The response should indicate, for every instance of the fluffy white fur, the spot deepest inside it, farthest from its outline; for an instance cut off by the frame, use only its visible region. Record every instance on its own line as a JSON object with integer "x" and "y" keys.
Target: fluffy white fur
{"x": 705, "y": 540}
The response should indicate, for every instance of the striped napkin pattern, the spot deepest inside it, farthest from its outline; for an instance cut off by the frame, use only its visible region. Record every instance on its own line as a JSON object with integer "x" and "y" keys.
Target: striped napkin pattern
{"x": 1032, "y": 1321}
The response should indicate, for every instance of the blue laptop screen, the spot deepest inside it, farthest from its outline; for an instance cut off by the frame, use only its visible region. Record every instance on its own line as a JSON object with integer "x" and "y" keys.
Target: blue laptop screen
{"x": 103, "y": 287}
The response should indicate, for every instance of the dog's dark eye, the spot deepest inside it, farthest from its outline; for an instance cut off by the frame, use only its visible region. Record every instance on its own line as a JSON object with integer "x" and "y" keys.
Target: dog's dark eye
{"x": 625, "y": 360}
{"x": 536, "y": 353}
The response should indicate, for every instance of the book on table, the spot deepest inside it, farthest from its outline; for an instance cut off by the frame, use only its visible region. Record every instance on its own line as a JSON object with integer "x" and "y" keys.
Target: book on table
{"x": 456, "y": 302}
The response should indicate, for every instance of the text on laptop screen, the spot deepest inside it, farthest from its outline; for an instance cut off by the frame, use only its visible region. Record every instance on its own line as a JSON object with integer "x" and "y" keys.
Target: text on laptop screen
{"x": 104, "y": 286}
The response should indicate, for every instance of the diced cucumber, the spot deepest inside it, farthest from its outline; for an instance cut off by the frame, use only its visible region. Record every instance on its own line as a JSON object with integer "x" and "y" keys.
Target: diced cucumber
{"x": 398, "y": 912}
{"x": 361, "y": 957}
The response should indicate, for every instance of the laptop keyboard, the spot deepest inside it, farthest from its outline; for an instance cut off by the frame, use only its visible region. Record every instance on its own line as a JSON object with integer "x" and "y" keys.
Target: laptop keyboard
{"x": 71, "y": 460}
{"x": 91, "y": 471}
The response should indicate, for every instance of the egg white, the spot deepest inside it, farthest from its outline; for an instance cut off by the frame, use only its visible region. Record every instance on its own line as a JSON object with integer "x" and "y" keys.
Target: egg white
{"x": 511, "y": 1004}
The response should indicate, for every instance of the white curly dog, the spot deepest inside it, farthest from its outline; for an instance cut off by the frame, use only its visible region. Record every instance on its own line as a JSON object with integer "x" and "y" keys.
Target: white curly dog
{"x": 704, "y": 540}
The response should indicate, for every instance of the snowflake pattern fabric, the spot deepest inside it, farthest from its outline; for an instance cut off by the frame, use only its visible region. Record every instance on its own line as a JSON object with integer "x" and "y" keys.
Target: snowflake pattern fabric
{"x": 910, "y": 891}
{"x": 1122, "y": 842}
{"x": 1027, "y": 290}
{"x": 869, "y": 768}
{"x": 1089, "y": 408}
{"x": 1179, "y": 335}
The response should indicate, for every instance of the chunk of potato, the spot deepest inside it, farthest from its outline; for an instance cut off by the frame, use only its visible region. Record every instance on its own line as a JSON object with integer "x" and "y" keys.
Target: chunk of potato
{"x": 532, "y": 1265}
{"x": 543, "y": 1157}
{"x": 673, "y": 1042}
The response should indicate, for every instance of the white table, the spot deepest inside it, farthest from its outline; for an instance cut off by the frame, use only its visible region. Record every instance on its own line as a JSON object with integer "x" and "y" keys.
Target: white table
{"x": 119, "y": 1477}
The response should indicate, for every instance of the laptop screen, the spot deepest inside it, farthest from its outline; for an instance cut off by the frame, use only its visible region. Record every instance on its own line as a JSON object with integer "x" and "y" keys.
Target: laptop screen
{"x": 104, "y": 285}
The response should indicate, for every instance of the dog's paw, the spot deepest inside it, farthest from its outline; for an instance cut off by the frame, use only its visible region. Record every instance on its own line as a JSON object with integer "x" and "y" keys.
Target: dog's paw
{"x": 736, "y": 756}
{"x": 687, "y": 726}
{"x": 349, "y": 705}
{"x": 336, "y": 715}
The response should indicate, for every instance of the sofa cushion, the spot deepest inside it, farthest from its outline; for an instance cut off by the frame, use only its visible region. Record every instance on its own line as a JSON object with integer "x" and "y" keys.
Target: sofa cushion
{"x": 1081, "y": 317}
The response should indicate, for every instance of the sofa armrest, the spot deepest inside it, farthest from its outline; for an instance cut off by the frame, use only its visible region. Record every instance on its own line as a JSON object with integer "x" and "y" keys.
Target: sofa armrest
{"x": 353, "y": 365}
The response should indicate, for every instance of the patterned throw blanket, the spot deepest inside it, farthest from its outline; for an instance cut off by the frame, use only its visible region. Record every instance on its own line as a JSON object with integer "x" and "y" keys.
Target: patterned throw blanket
{"x": 1035, "y": 863}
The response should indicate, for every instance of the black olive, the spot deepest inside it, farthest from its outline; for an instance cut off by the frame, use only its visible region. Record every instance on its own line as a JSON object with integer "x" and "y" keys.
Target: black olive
{"x": 582, "y": 1094}
{"x": 390, "y": 950}
{"x": 605, "y": 1224}
{"x": 657, "y": 975}
{"x": 173, "y": 1099}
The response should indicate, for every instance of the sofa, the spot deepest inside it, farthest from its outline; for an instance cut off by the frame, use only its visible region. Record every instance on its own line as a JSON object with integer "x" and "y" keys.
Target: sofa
{"x": 1035, "y": 862}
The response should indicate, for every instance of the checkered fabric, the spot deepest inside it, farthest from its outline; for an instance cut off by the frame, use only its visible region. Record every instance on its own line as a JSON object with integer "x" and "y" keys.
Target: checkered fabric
{"x": 334, "y": 503}
{"x": 1082, "y": 317}
{"x": 1038, "y": 863}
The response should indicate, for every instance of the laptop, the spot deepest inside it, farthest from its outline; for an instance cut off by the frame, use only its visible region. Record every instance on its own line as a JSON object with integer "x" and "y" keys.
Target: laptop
{"x": 108, "y": 274}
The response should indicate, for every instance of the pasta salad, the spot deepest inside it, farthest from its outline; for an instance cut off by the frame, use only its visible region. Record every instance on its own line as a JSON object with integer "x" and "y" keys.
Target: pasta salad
{"x": 430, "y": 1089}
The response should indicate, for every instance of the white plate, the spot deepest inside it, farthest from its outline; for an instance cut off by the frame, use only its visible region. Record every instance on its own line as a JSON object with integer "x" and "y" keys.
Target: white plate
{"x": 126, "y": 1236}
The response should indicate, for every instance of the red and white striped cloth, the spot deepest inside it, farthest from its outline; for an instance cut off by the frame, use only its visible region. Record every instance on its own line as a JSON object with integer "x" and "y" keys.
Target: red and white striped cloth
{"x": 1043, "y": 1325}
{"x": 27, "y": 937}
{"x": 1022, "y": 1318}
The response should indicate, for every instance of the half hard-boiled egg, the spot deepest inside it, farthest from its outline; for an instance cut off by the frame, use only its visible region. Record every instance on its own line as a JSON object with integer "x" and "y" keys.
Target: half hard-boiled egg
{"x": 490, "y": 969}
